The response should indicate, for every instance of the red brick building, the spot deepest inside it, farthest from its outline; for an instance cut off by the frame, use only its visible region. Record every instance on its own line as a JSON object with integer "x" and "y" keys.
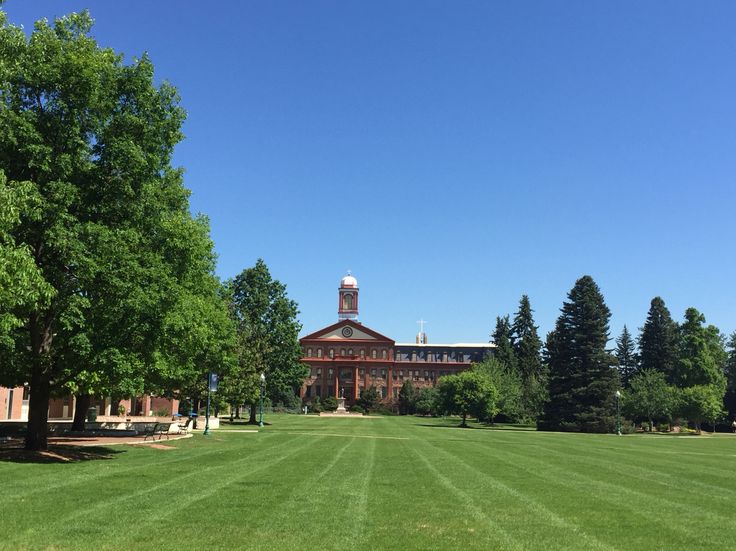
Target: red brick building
{"x": 352, "y": 357}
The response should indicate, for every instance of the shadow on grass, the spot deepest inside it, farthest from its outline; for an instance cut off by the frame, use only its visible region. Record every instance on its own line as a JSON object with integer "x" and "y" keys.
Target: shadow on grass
{"x": 15, "y": 453}
{"x": 477, "y": 426}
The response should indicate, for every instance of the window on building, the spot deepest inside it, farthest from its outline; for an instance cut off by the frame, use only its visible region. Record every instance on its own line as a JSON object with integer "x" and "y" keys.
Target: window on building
{"x": 319, "y": 352}
{"x": 373, "y": 353}
{"x": 384, "y": 354}
{"x": 330, "y": 372}
{"x": 362, "y": 372}
{"x": 373, "y": 373}
{"x": 401, "y": 373}
{"x": 319, "y": 372}
{"x": 342, "y": 352}
{"x": 426, "y": 374}
{"x": 383, "y": 373}
{"x": 309, "y": 352}
{"x": 362, "y": 353}
{"x": 347, "y": 301}
{"x": 350, "y": 351}
{"x": 332, "y": 352}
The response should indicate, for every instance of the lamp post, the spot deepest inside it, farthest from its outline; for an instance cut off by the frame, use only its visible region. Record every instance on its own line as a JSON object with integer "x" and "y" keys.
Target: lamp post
{"x": 263, "y": 391}
{"x": 207, "y": 413}
{"x": 618, "y": 412}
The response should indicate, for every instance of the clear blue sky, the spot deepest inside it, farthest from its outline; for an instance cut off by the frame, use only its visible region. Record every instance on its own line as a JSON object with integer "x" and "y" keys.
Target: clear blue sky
{"x": 454, "y": 155}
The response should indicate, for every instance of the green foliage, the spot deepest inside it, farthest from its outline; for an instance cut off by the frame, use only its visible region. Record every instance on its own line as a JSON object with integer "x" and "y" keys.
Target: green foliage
{"x": 268, "y": 329}
{"x": 626, "y": 356}
{"x": 650, "y": 397}
{"x": 701, "y": 403}
{"x": 407, "y": 398}
{"x": 730, "y": 374}
{"x": 509, "y": 388}
{"x": 468, "y": 393}
{"x": 427, "y": 401}
{"x": 527, "y": 351}
{"x": 502, "y": 338}
{"x": 701, "y": 358}
{"x": 658, "y": 340}
{"x": 329, "y": 403}
{"x": 357, "y": 409}
{"x": 582, "y": 384}
{"x": 119, "y": 260}
{"x": 369, "y": 399}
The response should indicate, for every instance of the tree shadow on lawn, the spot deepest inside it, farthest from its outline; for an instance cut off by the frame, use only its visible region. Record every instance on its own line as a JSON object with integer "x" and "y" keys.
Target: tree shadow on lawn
{"x": 475, "y": 426}
{"x": 13, "y": 452}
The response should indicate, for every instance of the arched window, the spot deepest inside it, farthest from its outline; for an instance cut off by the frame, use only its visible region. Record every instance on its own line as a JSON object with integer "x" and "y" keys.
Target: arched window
{"x": 347, "y": 301}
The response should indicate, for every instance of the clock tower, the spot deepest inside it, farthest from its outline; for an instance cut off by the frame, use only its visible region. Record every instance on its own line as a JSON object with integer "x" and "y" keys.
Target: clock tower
{"x": 347, "y": 308}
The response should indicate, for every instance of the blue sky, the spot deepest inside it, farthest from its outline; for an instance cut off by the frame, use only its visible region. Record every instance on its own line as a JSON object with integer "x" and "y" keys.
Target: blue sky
{"x": 454, "y": 155}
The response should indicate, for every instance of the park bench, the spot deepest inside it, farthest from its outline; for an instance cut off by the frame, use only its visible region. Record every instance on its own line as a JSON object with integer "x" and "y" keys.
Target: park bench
{"x": 184, "y": 429}
{"x": 160, "y": 429}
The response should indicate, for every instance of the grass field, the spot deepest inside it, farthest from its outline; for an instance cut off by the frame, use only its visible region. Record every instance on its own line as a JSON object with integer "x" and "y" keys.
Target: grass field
{"x": 392, "y": 483}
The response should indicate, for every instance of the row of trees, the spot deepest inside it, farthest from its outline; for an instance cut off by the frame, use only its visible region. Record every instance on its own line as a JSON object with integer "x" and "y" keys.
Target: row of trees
{"x": 676, "y": 371}
{"x": 107, "y": 283}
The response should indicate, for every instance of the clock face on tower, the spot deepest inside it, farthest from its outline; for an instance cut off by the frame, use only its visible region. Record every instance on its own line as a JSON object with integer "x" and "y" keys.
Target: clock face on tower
{"x": 347, "y": 332}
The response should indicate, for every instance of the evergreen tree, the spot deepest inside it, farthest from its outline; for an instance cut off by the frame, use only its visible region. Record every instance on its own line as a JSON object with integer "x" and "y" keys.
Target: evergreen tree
{"x": 407, "y": 398}
{"x": 527, "y": 351}
{"x": 730, "y": 373}
{"x": 502, "y": 338}
{"x": 626, "y": 356}
{"x": 658, "y": 340}
{"x": 582, "y": 384}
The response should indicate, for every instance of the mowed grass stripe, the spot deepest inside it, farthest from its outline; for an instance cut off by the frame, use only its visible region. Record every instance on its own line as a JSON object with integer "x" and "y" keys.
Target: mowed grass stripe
{"x": 653, "y": 473}
{"x": 87, "y": 472}
{"x": 483, "y": 487}
{"x": 621, "y": 504}
{"x": 71, "y": 512}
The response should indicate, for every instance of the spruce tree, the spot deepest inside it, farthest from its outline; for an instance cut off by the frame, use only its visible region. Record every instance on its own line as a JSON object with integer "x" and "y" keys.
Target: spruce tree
{"x": 626, "y": 356}
{"x": 527, "y": 350}
{"x": 658, "y": 340}
{"x": 729, "y": 400}
{"x": 582, "y": 383}
{"x": 502, "y": 338}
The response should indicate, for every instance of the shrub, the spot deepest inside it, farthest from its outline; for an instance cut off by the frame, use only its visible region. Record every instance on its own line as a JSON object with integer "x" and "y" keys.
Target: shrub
{"x": 357, "y": 409}
{"x": 329, "y": 403}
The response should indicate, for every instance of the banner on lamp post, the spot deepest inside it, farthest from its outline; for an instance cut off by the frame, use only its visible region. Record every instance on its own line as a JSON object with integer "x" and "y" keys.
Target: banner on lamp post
{"x": 213, "y": 380}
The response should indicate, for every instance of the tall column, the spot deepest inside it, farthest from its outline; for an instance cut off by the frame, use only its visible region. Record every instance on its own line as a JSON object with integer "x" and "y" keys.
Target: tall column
{"x": 356, "y": 394}
{"x": 390, "y": 382}
{"x": 337, "y": 382}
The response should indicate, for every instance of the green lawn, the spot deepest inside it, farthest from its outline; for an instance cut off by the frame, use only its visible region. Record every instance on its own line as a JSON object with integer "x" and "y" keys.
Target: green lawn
{"x": 392, "y": 483}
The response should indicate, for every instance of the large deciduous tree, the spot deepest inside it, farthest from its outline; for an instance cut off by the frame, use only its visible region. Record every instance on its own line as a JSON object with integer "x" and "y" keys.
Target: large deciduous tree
{"x": 268, "y": 329}
{"x": 649, "y": 397}
{"x": 93, "y": 138}
{"x": 582, "y": 383}
{"x": 658, "y": 340}
{"x": 468, "y": 393}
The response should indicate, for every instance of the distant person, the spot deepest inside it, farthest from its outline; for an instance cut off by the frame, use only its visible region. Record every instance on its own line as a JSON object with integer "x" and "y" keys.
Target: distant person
{"x": 733, "y": 426}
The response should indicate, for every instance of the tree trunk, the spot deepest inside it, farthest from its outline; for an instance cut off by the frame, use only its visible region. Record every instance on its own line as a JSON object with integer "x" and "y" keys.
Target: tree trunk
{"x": 38, "y": 412}
{"x": 253, "y": 409}
{"x": 80, "y": 411}
{"x": 237, "y": 412}
{"x": 464, "y": 424}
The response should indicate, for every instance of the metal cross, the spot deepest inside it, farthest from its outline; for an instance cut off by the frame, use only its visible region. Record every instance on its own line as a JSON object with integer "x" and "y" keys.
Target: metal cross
{"x": 421, "y": 323}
